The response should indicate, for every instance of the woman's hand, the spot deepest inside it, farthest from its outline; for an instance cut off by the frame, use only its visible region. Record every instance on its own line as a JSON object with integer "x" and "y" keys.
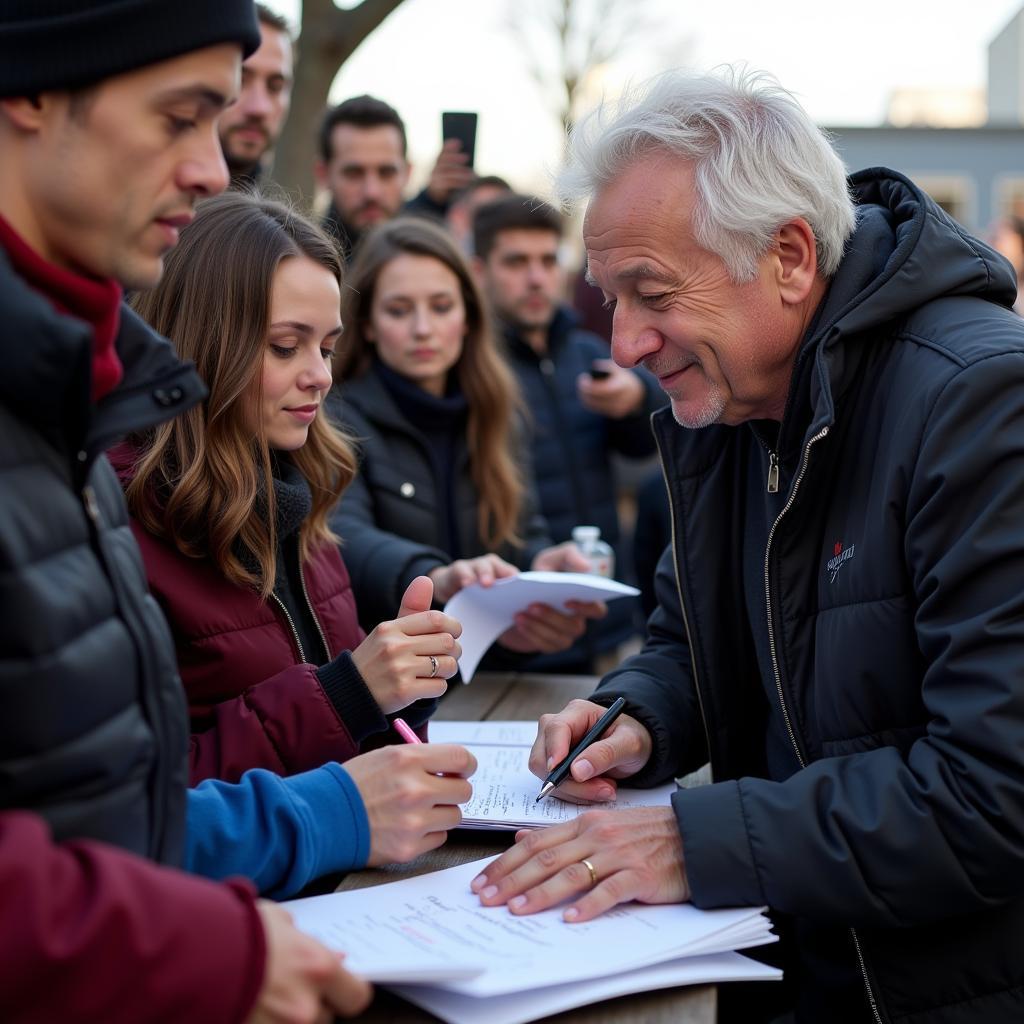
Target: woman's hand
{"x": 411, "y": 794}
{"x": 410, "y": 657}
{"x": 544, "y": 629}
{"x": 450, "y": 579}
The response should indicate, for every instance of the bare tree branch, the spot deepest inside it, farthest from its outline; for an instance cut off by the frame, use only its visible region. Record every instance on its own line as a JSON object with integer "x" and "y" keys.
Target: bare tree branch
{"x": 582, "y": 35}
{"x": 327, "y": 38}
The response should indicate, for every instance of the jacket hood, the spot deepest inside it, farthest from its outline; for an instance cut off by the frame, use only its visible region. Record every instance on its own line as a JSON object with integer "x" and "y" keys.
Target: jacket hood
{"x": 906, "y": 251}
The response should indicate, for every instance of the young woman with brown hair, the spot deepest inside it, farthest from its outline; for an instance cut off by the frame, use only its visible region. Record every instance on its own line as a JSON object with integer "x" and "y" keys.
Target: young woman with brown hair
{"x": 440, "y": 489}
{"x": 230, "y": 505}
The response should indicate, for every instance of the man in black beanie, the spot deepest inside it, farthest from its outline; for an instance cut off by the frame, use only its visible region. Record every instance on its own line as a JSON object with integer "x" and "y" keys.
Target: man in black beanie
{"x": 108, "y": 136}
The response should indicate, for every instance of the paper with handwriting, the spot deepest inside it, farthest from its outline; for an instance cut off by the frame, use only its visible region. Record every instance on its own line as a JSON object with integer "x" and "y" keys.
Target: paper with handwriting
{"x": 437, "y": 916}
{"x": 505, "y": 790}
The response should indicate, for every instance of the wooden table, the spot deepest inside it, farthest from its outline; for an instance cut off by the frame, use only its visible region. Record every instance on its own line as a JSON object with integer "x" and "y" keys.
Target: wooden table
{"x": 494, "y": 696}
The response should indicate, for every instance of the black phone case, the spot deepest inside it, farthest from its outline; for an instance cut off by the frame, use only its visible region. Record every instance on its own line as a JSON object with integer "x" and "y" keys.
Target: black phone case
{"x": 460, "y": 125}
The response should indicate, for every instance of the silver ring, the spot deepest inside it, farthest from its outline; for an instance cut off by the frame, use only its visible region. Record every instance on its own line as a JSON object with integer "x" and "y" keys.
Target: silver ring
{"x": 590, "y": 867}
{"x": 433, "y": 665}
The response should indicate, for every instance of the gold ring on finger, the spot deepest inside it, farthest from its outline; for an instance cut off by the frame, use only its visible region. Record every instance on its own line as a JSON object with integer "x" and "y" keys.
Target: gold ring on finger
{"x": 433, "y": 665}
{"x": 590, "y": 867}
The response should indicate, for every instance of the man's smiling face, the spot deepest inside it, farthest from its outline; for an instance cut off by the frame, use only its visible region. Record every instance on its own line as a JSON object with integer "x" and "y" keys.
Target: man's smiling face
{"x": 722, "y": 351}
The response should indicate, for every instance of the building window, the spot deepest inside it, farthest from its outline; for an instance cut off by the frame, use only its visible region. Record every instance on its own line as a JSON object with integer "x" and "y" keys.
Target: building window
{"x": 1008, "y": 196}
{"x": 953, "y": 192}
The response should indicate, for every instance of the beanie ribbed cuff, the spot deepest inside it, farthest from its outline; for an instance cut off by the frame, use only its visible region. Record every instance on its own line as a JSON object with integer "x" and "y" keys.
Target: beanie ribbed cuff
{"x": 67, "y": 44}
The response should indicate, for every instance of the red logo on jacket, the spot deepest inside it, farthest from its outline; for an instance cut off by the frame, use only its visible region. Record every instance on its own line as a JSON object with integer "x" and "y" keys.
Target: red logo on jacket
{"x": 839, "y": 558}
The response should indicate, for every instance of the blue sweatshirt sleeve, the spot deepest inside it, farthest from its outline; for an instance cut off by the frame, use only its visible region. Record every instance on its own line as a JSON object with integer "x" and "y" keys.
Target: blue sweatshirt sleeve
{"x": 280, "y": 833}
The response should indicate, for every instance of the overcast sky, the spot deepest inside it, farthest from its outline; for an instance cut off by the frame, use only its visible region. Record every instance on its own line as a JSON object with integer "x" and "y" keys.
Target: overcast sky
{"x": 841, "y": 60}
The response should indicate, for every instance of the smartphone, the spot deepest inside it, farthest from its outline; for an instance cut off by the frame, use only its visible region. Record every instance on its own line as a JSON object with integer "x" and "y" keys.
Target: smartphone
{"x": 599, "y": 372}
{"x": 461, "y": 125}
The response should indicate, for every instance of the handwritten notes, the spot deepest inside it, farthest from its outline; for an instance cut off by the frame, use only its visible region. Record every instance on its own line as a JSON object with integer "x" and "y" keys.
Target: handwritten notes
{"x": 436, "y": 918}
{"x": 504, "y": 788}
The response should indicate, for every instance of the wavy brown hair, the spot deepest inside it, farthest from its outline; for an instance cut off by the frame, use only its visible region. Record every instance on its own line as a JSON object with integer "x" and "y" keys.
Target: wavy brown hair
{"x": 204, "y": 480}
{"x": 491, "y": 390}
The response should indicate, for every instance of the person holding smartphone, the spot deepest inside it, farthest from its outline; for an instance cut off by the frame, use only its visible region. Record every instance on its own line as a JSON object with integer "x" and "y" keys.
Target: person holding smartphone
{"x": 363, "y": 163}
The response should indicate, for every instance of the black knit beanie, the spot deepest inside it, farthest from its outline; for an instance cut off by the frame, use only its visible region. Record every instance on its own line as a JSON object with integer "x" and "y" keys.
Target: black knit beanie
{"x": 65, "y": 44}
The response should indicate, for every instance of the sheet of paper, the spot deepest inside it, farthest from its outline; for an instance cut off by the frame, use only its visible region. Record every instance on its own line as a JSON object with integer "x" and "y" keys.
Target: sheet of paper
{"x": 437, "y": 913}
{"x": 533, "y": 1003}
{"x": 506, "y": 733}
{"x": 486, "y": 612}
{"x": 505, "y": 793}
{"x": 384, "y": 948}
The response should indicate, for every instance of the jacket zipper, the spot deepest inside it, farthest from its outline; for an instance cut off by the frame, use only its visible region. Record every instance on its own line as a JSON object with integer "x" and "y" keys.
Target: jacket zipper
{"x": 864, "y": 975}
{"x": 291, "y": 621}
{"x": 682, "y": 603}
{"x": 291, "y": 626}
{"x": 768, "y": 591}
{"x": 773, "y": 475}
{"x": 309, "y": 605}
{"x": 773, "y": 466}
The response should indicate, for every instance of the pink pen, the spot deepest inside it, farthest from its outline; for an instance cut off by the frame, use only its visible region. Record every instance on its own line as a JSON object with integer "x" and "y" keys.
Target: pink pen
{"x": 404, "y": 731}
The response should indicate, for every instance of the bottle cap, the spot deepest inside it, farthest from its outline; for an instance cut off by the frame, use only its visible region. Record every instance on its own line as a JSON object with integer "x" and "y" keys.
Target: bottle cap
{"x": 581, "y": 534}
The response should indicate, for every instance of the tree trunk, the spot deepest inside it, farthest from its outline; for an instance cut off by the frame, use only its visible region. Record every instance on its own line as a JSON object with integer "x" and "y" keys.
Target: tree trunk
{"x": 328, "y": 36}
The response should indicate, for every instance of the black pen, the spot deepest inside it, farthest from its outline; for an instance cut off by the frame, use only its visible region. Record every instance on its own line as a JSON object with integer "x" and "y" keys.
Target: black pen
{"x": 558, "y": 774}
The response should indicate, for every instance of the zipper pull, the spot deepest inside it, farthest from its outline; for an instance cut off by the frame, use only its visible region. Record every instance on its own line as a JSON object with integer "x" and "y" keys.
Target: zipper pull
{"x": 92, "y": 507}
{"x": 773, "y": 473}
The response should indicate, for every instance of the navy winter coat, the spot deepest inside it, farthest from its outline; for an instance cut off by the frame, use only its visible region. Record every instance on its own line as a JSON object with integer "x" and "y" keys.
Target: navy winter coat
{"x": 894, "y": 616}
{"x": 571, "y": 449}
{"x": 571, "y": 446}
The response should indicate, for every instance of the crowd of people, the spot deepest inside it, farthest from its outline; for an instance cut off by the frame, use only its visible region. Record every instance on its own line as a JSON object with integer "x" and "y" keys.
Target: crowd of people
{"x": 248, "y": 454}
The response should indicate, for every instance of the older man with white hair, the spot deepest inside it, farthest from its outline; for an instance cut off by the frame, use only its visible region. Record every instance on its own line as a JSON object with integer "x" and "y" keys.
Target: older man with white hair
{"x": 840, "y": 628}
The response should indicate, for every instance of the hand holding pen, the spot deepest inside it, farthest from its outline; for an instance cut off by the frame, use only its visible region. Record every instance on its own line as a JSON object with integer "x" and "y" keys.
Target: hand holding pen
{"x": 587, "y": 766}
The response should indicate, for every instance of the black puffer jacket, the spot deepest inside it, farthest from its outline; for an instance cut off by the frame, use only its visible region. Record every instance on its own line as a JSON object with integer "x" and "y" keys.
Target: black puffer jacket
{"x": 93, "y": 731}
{"x": 388, "y": 517}
{"x": 570, "y": 445}
{"x": 894, "y": 596}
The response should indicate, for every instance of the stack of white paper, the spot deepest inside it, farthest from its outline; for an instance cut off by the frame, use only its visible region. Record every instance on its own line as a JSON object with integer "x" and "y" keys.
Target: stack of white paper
{"x": 533, "y": 1003}
{"x": 505, "y": 790}
{"x": 486, "y": 612}
{"x": 525, "y": 967}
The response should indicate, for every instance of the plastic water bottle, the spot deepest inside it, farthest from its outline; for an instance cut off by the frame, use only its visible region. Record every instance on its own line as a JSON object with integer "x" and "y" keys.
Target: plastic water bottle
{"x": 595, "y": 550}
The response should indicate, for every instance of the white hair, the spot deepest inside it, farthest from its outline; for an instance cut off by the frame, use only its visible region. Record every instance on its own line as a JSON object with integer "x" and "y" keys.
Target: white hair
{"x": 758, "y": 160}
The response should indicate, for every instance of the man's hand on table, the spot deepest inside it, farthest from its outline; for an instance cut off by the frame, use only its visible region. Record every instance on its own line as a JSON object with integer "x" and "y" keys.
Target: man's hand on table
{"x": 633, "y": 854}
{"x": 636, "y": 854}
